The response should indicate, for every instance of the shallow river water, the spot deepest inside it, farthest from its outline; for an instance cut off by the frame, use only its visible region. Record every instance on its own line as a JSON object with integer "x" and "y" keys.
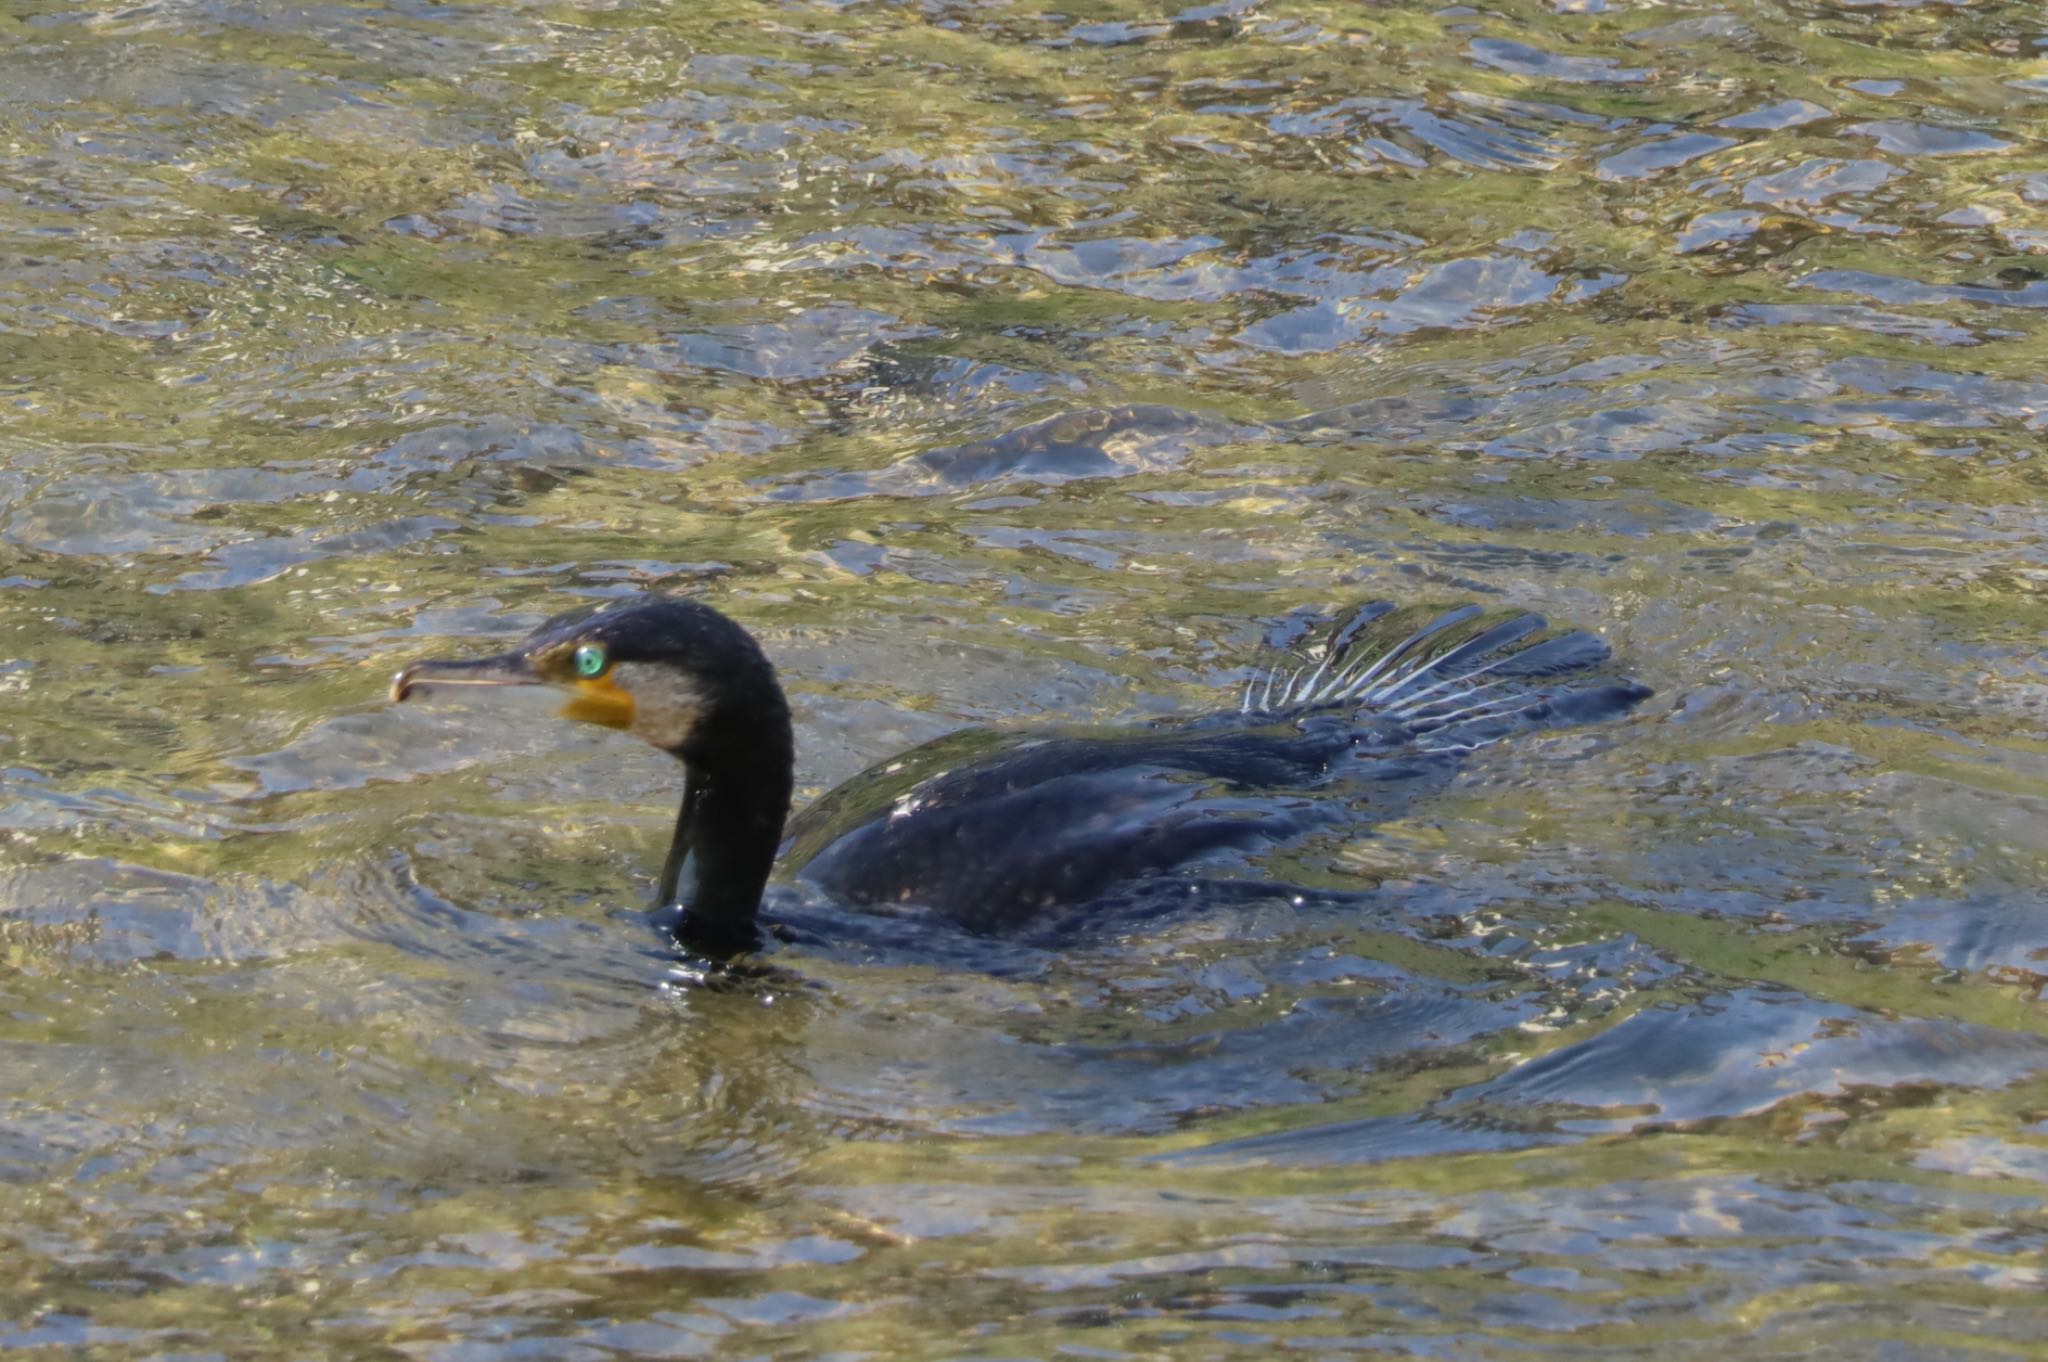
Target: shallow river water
{"x": 1022, "y": 362}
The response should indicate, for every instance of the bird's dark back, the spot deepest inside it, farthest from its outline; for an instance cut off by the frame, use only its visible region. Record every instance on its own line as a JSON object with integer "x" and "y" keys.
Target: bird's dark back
{"x": 995, "y": 830}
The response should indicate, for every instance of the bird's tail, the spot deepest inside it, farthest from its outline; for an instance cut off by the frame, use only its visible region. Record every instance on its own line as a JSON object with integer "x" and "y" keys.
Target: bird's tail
{"x": 1458, "y": 680}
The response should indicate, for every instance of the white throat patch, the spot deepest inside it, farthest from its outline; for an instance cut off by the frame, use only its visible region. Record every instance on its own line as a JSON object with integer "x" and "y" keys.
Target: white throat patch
{"x": 666, "y": 706}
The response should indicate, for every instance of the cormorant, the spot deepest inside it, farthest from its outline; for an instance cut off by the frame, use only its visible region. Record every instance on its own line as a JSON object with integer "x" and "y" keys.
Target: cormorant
{"x": 997, "y": 829}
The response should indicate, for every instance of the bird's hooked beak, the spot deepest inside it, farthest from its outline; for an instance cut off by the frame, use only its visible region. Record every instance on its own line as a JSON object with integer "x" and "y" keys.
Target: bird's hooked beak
{"x": 508, "y": 669}
{"x": 594, "y": 700}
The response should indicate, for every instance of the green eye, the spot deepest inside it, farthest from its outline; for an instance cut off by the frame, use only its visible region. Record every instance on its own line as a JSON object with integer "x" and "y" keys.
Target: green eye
{"x": 590, "y": 660}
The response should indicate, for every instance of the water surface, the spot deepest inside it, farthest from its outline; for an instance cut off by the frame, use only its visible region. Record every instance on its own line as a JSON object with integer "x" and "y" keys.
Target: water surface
{"x": 1012, "y": 363}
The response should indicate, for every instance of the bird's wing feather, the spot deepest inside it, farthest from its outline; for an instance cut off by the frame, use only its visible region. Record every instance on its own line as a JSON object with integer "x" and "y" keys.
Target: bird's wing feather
{"x": 1449, "y": 680}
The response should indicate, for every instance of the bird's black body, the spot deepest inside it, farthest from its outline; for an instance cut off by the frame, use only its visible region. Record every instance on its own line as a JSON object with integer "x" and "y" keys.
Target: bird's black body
{"x": 996, "y": 830}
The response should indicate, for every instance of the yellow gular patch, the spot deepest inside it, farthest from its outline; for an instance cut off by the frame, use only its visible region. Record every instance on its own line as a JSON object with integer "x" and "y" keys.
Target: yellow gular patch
{"x": 600, "y": 700}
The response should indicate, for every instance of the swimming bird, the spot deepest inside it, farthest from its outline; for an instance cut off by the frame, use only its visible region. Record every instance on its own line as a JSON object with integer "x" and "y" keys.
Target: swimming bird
{"x": 998, "y": 829}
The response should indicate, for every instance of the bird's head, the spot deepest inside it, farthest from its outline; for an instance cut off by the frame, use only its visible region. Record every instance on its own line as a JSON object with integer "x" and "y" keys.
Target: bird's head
{"x": 674, "y": 673}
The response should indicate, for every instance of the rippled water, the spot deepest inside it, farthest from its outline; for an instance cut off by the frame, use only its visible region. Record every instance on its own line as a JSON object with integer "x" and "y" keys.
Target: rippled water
{"x": 1004, "y": 363}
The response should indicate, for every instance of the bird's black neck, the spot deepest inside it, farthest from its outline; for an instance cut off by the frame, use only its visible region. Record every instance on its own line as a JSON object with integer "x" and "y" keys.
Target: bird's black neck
{"x": 734, "y": 801}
